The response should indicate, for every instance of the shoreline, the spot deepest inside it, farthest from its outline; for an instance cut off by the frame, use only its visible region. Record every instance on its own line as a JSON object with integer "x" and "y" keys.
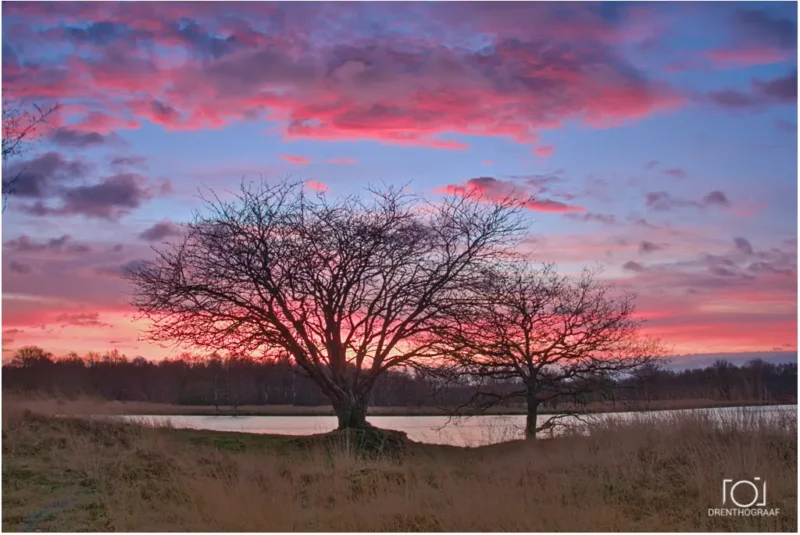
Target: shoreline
{"x": 133, "y": 408}
{"x": 287, "y": 410}
{"x": 426, "y": 413}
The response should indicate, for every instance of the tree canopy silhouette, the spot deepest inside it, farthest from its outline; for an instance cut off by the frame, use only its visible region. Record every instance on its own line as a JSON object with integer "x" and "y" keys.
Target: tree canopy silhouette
{"x": 558, "y": 338}
{"x": 347, "y": 288}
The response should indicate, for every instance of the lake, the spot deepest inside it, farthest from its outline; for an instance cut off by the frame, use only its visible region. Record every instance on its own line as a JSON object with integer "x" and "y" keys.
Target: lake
{"x": 472, "y": 431}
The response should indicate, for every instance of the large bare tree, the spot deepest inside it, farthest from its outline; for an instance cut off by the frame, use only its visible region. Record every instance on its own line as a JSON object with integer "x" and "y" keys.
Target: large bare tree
{"x": 348, "y": 288}
{"x": 22, "y": 124}
{"x": 556, "y": 338}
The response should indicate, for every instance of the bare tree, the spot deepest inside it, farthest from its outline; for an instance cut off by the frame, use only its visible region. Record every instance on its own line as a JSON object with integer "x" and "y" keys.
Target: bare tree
{"x": 555, "y": 338}
{"x": 21, "y": 125}
{"x": 348, "y": 288}
{"x": 31, "y": 356}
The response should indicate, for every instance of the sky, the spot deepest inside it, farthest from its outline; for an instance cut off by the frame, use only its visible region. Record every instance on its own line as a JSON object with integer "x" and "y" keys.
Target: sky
{"x": 659, "y": 141}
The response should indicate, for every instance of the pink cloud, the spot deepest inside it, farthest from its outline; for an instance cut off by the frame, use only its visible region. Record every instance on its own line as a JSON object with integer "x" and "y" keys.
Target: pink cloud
{"x": 301, "y": 160}
{"x": 545, "y": 151}
{"x": 342, "y": 161}
{"x": 395, "y": 90}
{"x": 103, "y": 124}
{"x": 488, "y": 162}
{"x": 722, "y": 301}
{"x": 316, "y": 186}
{"x": 494, "y": 189}
{"x": 746, "y": 56}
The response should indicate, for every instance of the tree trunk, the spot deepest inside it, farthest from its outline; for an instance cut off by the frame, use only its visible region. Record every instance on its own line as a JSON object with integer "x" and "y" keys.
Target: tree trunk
{"x": 351, "y": 411}
{"x": 530, "y": 420}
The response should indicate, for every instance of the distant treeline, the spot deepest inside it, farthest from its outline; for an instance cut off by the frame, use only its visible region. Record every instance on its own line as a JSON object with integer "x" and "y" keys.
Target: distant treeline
{"x": 235, "y": 381}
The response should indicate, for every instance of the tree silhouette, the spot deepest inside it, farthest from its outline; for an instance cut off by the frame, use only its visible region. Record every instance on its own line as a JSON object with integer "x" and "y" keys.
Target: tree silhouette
{"x": 21, "y": 125}
{"x": 347, "y": 288}
{"x": 200, "y": 380}
{"x": 555, "y": 338}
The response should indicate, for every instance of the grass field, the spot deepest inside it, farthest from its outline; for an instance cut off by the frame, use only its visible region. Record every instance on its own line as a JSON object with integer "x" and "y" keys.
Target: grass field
{"x": 86, "y": 406}
{"x": 69, "y": 474}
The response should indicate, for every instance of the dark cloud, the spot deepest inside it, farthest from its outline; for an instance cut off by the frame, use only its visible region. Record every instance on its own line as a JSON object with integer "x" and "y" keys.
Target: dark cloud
{"x": 160, "y": 230}
{"x": 542, "y": 183}
{"x": 163, "y": 112}
{"x": 782, "y": 89}
{"x": 768, "y": 268}
{"x": 662, "y": 201}
{"x": 651, "y": 164}
{"x": 636, "y": 267}
{"x": 758, "y": 26}
{"x": 64, "y": 244}
{"x": 119, "y": 271}
{"x": 723, "y": 266}
{"x": 762, "y": 93}
{"x": 129, "y": 161}
{"x": 732, "y": 99}
{"x": 66, "y": 137}
{"x": 115, "y": 194}
{"x": 675, "y": 172}
{"x": 19, "y": 268}
{"x": 607, "y": 219}
{"x": 100, "y": 33}
{"x": 649, "y": 247}
{"x": 10, "y": 57}
{"x": 743, "y": 246}
{"x": 7, "y": 334}
{"x": 721, "y": 271}
{"x": 203, "y": 43}
{"x": 112, "y": 198}
{"x": 81, "y": 319}
{"x": 42, "y": 175}
{"x": 715, "y": 198}
{"x": 642, "y": 222}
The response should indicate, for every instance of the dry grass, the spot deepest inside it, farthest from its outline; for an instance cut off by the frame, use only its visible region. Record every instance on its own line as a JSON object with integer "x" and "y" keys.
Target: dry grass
{"x": 86, "y": 405}
{"x": 70, "y": 474}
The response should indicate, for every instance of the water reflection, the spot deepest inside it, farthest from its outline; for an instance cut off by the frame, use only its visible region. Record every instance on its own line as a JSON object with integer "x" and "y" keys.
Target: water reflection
{"x": 473, "y": 431}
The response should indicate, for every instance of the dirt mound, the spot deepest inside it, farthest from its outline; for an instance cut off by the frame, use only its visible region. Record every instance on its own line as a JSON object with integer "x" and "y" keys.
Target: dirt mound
{"x": 370, "y": 442}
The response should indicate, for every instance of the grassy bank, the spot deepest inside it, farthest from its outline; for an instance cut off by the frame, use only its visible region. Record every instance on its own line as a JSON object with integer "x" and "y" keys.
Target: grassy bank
{"x": 84, "y": 405}
{"x": 70, "y": 474}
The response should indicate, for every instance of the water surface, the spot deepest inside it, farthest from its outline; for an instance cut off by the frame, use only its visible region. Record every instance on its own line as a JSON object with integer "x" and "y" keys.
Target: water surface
{"x": 472, "y": 431}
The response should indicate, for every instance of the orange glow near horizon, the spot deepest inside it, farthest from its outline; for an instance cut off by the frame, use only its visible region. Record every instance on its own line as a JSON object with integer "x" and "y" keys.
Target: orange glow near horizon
{"x": 61, "y": 332}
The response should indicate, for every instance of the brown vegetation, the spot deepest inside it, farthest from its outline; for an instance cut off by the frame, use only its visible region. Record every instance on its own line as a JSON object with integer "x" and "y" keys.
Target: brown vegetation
{"x": 70, "y": 474}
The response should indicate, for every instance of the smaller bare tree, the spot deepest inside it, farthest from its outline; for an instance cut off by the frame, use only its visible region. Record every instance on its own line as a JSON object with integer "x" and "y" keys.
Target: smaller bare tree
{"x": 21, "y": 126}
{"x": 556, "y": 339}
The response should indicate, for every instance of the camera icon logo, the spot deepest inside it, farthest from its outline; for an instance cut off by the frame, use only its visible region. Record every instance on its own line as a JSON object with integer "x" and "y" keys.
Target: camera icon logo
{"x": 739, "y": 492}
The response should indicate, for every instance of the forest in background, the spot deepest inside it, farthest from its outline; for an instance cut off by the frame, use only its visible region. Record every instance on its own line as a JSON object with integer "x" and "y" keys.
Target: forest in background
{"x": 235, "y": 381}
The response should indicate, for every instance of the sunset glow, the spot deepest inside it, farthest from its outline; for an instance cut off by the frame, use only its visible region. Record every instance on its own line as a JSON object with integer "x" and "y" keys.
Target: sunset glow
{"x": 658, "y": 141}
